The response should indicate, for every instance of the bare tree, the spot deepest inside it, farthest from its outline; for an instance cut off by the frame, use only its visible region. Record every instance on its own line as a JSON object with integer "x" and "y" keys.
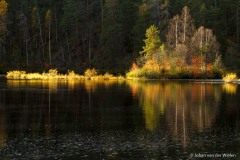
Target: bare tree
{"x": 173, "y": 31}
{"x": 204, "y": 43}
{"x": 180, "y": 29}
{"x": 187, "y": 25}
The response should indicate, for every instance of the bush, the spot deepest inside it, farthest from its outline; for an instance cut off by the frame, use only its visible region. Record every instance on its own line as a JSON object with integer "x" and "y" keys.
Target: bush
{"x": 16, "y": 74}
{"x": 90, "y": 73}
{"x": 230, "y": 77}
{"x": 34, "y": 76}
{"x": 53, "y": 72}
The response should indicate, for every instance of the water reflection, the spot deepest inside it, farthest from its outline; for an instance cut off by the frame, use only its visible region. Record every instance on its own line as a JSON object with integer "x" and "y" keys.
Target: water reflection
{"x": 3, "y": 134}
{"x": 180, "y": 106}
{"x": 53, "y": 107}
{"x": 230, "y": 88}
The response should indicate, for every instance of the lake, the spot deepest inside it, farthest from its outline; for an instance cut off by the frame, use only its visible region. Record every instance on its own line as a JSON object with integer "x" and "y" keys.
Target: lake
{"x": 119, "y": 119}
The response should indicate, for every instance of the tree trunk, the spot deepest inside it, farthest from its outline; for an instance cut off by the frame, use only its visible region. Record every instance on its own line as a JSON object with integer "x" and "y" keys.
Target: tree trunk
{"x": 89, "y": 48}
{"x": 184, "y": 26}
{"x": 176, "y": 32}
{"x": 49, "y": 42}
{"x": 62, "y": 54}
{"x": 27, "y": 52}
{"x": 41, "y": 37}
{"x": 69, "y": 55}
{"x": 56, "y": 29}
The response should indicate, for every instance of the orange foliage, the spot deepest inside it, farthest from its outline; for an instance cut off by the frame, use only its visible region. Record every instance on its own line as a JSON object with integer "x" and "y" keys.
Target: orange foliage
{"x": 209, "y": 67}
{"x": 166, "y": 64}
{"x": 46, "y": 65}
{"x": 196, "y": 64}
{"x": 134, "y": 66}
{"x": 152, "y": 65}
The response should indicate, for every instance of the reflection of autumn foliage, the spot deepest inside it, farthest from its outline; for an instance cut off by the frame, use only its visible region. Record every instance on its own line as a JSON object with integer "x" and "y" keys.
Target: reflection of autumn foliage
{"x": 230, "y": 88}
{"x": 184, "y": 105}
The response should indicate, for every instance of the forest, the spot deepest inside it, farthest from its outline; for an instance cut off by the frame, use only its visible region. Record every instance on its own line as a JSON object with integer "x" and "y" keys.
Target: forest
{"x": 115, "y": 35}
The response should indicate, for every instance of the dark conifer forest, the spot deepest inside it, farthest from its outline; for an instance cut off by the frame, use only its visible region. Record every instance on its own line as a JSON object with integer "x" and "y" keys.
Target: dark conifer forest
{"x": 110, "y": 35}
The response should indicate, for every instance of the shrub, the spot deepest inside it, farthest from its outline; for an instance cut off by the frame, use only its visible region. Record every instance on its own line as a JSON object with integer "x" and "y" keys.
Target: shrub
{"x": 90, "y": 73}
{"x": 108, "y": 76}
{"x": 230, "y": 77}
{"x": 34, "y": 76}
{"x": 53, "y": 72}
{"x": 16, "y": 74}
{"x": 73, "y": 75}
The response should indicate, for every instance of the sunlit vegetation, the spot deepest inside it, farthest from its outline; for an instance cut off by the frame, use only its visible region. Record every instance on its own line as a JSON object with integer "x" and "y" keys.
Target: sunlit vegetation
{"x": 53, "y": 74}
{"x": 187, "y": 53}
{"x": 90, "y": 73}
{"x": 108, "y": 35}
{"x": 230, "y": 77}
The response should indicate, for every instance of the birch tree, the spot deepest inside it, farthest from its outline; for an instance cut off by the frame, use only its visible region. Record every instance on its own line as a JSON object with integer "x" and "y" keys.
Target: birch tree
{"x": 48, "y": 25}
{"x": 173, "y": 31}
{"x": 204, "y": 43}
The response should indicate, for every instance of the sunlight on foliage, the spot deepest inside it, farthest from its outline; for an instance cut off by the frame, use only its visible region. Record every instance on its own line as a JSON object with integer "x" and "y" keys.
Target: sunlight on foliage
{"x": 90, "y": 72}
{"x": 230, "y": 77}
{"x": 52, "y": 74}
{"x": 16, "y": 74}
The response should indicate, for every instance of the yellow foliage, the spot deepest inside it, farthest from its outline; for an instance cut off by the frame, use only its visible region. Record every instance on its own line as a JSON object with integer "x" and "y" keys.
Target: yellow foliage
{"x": 3, "y": 7}
{"x": 53, "y": 72}
{"x": 152, "y": 65}
{"x": 16, "y": 74}
{"x": 90, "y": 73}
{"x": 230, "y": 77}
{"x": 33, "y": 76}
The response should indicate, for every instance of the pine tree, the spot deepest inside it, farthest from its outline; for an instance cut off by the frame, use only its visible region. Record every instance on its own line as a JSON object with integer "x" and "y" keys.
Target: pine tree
{"x": 153, "y": 44}
{"x": 142, "y": 23}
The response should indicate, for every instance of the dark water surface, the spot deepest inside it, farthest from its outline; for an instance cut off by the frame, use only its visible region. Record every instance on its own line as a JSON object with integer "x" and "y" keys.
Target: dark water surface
{"x": 119, "y": 120}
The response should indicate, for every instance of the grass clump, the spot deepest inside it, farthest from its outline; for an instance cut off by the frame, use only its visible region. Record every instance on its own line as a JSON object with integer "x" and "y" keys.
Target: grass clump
{"x": 16, "y": 74}
{"x": 230, "y": 77}
{"x": 34, "y": 76}
{"x": 53, "y": 74}
{"x": 73, "y": 75}
{"x": 90, "y": 73}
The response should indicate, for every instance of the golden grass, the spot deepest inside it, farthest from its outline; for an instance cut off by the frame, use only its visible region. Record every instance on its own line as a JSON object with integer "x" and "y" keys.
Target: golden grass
{"x": 52, "y": 74}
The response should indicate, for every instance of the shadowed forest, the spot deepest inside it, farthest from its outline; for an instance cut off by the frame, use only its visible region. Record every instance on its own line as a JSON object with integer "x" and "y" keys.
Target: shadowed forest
{"x": 116, "y": 35}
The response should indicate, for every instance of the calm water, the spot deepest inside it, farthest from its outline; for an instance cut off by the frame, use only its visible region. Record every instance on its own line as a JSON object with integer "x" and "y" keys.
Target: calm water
{"x": 118, "y": 120}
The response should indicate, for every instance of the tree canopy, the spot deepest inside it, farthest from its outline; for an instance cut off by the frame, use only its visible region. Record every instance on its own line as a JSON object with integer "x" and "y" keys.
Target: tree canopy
{"x": 109, "y": 34}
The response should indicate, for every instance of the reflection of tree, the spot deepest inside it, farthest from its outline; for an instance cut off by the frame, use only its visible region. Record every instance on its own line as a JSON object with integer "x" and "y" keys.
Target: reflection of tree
{"x": 3, "y": 133}
{"x": 185, "y": 106}
{"x": 150, "y": 99}
{"x": 230, "y": 88}
{"x": 43, "y": 107}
